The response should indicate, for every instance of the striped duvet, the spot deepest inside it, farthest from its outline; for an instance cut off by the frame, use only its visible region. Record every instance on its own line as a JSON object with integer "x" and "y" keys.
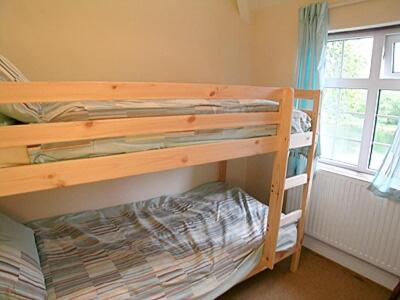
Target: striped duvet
{"x": 171, "y": 247}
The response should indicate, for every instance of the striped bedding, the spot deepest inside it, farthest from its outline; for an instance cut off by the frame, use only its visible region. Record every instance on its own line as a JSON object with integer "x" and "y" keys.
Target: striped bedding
{"x": 53, "y": 152}
{"x": 185, "y": 246}
{"x": 95, "y": 110}
{"x": 54, "y": 112}
{"x": 110, "y": 146}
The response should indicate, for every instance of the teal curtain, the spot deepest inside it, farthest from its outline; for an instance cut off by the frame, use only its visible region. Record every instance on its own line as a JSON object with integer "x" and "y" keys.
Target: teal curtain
{"x": 313, "y": 37}
{"x": 387, "y": 180}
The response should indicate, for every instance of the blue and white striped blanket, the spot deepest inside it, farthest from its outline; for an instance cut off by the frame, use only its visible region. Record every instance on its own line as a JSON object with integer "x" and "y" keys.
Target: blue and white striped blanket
{"x": 171, "y": 247}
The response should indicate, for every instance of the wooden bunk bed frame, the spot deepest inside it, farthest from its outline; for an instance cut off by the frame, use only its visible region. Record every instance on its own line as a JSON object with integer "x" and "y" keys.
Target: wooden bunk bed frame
{"x": 29, "y": 178}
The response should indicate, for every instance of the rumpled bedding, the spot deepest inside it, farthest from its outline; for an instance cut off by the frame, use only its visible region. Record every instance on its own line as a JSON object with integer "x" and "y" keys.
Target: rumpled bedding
{"x": 102, "y": 147}
{"x": 93, "y": 110}
{"x": 111, "y": 146}
{"x": 190, "y": 245}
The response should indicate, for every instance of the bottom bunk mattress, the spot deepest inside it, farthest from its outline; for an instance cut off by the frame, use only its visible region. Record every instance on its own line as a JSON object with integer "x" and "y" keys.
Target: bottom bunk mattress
{"x": 193, "y": 245}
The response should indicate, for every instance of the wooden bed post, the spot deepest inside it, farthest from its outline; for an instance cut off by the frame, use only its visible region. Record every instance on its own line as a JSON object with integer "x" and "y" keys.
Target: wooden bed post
{"x": 222, "y": 170}
{"x": 294, "y": 265}
{"x": 278, "y": 178}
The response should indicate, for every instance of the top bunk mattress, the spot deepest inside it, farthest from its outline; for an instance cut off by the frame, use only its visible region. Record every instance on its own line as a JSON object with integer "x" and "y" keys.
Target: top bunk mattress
{"x": 190, "y": 245}
{"x": 94, "y": 110}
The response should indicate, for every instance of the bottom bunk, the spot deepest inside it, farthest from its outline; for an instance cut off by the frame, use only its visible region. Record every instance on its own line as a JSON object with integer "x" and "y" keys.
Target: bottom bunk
{"x": 193, "y": 245}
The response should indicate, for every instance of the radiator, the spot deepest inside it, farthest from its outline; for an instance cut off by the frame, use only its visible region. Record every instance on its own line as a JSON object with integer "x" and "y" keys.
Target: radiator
{"x": 344, "y": 214}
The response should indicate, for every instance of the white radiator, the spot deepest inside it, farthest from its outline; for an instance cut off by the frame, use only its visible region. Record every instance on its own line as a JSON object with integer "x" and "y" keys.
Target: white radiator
{"x": 344, "y": 214}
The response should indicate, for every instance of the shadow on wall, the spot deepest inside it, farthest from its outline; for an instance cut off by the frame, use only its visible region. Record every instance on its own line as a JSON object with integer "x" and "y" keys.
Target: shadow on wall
{"x": 258, "y": 176}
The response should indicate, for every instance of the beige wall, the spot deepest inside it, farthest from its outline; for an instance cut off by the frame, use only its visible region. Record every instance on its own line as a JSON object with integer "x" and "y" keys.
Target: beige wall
{"x": 141, "y": 40}
{"x": 275, "y": 44}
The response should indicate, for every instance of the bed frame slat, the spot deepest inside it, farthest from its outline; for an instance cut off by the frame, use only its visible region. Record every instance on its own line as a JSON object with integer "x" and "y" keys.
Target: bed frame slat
{"x": 19, "y": 92}
{"x": 29, "y": 178}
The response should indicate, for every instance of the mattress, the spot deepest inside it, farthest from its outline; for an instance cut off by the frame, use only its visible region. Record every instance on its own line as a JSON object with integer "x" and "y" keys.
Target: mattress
{"x": 112, "y": 146}
{"x": 193, "y": 245}
{"x": 94, "y": 110}
{"x": 54, "y": 112}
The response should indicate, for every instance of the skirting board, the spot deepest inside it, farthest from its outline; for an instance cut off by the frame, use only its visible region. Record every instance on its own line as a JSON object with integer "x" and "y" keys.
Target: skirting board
{"x": 357, "y": 265}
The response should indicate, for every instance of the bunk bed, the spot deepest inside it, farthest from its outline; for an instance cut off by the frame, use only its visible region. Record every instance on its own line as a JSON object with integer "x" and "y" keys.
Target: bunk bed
{"x": 224, "y": 122}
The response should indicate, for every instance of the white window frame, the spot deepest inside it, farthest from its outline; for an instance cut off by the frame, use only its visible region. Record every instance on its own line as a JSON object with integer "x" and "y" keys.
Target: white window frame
{"x": 373, "y": 85}
{"x": 387, "y": 69}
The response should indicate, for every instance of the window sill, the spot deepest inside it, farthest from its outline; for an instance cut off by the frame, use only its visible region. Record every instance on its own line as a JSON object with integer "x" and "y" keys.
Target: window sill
{"x": 345, "y": 172}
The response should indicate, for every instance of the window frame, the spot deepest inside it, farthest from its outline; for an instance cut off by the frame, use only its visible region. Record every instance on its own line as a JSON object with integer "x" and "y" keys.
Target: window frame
{"x": 374, "y": 84}
{"x": 388, "y": 65}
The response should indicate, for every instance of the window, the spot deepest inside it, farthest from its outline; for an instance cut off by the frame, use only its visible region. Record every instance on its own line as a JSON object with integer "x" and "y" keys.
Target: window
{"x": 361, "y": 100}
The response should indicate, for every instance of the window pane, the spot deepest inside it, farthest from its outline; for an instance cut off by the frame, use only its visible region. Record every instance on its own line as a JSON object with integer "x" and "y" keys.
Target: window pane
{"x": 353, "y": 100}
{"x": 389, "y": 103}
{"x": 342, "y": 120}
{"x": 326, "y": 146}
{"x": 344, "y": 100}
{"x": 333, "y": 67}
{"x": 350, "y": 126}
{"x": 377, "y": 155}
{"x": 339, "y": 101}
{"x": 340, "y": 150}
{"x": 385, "y": 127}
{"x": 396, "y": 58}
{"x": 347, "y": 151}
{"x": 330, "y": 100}
{"x": 328, "y": 124}
{"x": 357, "y": 54}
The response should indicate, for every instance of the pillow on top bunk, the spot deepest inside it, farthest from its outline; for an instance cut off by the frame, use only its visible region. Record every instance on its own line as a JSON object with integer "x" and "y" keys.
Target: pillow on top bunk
{"x": 9, "y": 113}
{"x": 20, "y": 273}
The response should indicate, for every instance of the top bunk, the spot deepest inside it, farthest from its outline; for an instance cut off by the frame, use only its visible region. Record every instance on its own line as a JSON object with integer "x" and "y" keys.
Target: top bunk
{"x": 83, "y": 132}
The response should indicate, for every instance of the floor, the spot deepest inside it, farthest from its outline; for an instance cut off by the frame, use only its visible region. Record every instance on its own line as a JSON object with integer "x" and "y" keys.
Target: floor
{"x": 317, "y": 278}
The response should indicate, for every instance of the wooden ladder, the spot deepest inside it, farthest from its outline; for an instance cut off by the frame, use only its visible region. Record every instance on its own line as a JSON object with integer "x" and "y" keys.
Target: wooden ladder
{"x": 305, "y": 179}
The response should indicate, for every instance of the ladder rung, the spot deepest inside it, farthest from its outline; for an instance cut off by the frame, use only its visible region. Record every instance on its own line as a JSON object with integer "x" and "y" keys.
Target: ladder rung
{"x": 290, "y": 218}
{"x": 298, "y": 140}
{"x": 294, "y": 181}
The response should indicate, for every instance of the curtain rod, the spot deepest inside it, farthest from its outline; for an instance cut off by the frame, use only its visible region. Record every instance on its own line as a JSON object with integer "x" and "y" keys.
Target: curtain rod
{"x": 345, "y": 3}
